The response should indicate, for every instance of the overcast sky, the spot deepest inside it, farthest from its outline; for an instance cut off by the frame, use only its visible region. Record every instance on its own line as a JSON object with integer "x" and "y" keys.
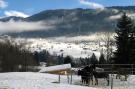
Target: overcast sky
{"x": 26, "y": 8}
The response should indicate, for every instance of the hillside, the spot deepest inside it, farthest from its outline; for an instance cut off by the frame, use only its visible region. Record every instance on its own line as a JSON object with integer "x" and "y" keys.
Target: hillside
{"x": 6, "y": 19}
{"x": 73, "y": 22}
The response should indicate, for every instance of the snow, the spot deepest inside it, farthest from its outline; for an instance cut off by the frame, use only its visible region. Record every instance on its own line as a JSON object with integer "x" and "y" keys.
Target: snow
{"x": 58, "y": 48}
{"x": 131, "y": 79}
{"x": 76, "y": 48}
{"x": 54, "y": 68}
{"x": 32, "y": 80}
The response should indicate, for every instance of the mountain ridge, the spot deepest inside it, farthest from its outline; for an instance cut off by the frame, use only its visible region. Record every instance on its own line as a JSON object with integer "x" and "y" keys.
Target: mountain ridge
{"x": 74, "y": 22}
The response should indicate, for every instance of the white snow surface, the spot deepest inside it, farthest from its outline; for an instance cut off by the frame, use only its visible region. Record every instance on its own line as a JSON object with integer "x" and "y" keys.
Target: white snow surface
{"x": 57, "y": 48}
{"x": 54, "y": 68}
{"x": 31, "y": 80}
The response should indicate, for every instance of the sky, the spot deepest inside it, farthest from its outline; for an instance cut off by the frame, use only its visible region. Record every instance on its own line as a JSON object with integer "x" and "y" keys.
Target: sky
{"x": 25, "y": 8}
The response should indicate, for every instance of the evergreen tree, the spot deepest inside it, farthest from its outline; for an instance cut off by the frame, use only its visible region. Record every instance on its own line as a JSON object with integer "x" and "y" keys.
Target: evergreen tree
{"x": 60, "y": 59}
{"x": 42, "y": 56}
{"x": 132, "y": 46}
{"x": 13, "y": 58}
{"x": 88, "y": 61}
{"x": 102, "y": 59}
{"x": 93, "y": 59}
{"x": 82, "y": 61}
{"x": 123, "y": 40}
{"x": 67, "y": 60}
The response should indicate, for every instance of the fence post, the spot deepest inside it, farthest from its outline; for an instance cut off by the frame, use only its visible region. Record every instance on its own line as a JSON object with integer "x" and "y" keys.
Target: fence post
{"x": 132, "y": 69}
{"x": 112, "y": 78}
{"x": 59, "y": 78}
{"x": 71, "y": 78}
{"x": 68, "y": 78}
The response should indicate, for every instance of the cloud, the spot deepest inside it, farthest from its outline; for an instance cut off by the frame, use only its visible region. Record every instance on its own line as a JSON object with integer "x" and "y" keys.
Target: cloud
{"x": 92, "y": 37}
{"x": 3, "y": 4}
{"x": 20, "y": 26}
{"x": 115, "y": 17}
{"x": 15, "y": 13}
{"x": 92, "y": 4}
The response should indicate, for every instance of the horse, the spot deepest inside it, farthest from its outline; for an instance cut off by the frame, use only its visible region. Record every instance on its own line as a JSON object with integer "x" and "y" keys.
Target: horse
{"x": 89, "y": 74}
{"x": 83, "y": 76}
{"x": 102, "y": 74}
{"x": 86, "y": 75}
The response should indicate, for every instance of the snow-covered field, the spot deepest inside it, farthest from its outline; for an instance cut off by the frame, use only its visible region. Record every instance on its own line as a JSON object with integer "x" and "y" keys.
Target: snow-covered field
{"x": 57, "y": 48}
{"x": 30, "y": 80}
{"x": 73, "y": 46}
{"x": 73, "y": 49}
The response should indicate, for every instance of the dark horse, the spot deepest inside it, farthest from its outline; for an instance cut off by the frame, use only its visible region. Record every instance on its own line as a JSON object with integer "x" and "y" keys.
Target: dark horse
{"x": 101, "y": 75}
{"x": 86, "y": 75}
{"x": 88, "y": 72}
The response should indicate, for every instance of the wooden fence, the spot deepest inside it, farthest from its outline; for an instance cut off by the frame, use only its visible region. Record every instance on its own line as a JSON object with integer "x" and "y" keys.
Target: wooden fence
{"x": 115, "y": 68}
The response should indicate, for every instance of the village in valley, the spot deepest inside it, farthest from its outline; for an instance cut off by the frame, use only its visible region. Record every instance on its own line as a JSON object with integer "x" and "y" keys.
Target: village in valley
{"x": 75, "y": 44}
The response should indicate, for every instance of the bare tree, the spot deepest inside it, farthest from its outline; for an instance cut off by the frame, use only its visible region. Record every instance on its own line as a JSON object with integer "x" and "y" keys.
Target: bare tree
{"x": 107, "y": 40}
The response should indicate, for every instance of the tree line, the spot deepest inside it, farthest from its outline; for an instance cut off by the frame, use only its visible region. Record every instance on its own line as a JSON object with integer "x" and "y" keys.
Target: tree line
{"x": 45, "y": 56}
{"x": 50, "y": 60}
{"x": 13, "y": 58}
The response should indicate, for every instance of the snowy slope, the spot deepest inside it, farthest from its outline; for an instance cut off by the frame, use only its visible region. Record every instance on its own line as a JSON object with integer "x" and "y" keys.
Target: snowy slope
{"x": 33, "y": 81}
{"x": 73, "y": 46}
{"x": 56, "y": 48}
{"x": 29, "y": 80}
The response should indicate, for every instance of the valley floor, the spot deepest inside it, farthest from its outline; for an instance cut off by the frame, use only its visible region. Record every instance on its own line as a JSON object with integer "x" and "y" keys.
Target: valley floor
{"x": 30, "y": 80}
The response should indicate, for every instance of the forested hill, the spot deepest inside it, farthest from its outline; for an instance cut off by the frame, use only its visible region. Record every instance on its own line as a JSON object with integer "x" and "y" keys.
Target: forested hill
{"x": 72, "y": 22}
